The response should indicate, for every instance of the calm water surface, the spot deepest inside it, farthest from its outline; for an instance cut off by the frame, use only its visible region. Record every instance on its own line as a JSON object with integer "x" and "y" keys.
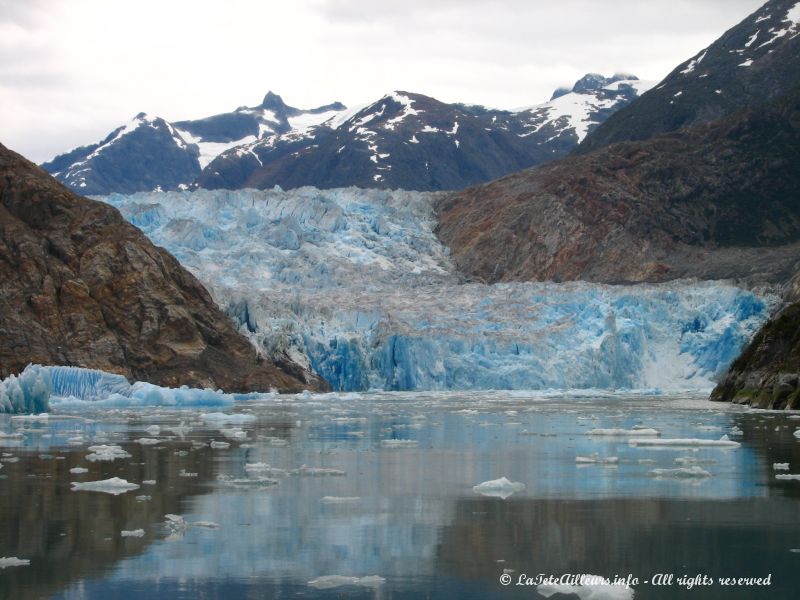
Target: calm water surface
{"x": 380, "y": 486}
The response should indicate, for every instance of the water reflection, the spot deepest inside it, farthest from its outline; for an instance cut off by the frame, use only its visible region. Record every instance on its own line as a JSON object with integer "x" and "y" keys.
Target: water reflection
{"x": 408, "y": 513}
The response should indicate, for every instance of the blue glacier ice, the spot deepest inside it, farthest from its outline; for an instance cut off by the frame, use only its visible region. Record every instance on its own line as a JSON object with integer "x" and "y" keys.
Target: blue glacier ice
{"x": 355, "y": 284}
{"x": 28, "y": 392}
{"x": 39, "y": 388}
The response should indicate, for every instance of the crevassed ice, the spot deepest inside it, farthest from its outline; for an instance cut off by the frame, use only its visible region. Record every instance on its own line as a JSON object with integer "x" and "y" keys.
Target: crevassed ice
{"x": 355, "y": 284}
{"x": 38, "y": 388}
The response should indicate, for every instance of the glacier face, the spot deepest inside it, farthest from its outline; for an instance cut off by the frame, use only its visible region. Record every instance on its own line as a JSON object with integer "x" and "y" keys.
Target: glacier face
{"x": 355, "y": 283}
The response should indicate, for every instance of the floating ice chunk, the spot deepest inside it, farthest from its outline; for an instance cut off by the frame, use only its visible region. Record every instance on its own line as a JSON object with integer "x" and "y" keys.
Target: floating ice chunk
{"x": 185, "y": 473}
{"x": 399, "y": 443}
{"x": 149, "y": 482}
{"x": 780, "y": 466}
{"x": 736, "y": 431}
{"x": 340, "y": 499}
{"x": 28, "y": 392}
{"x": 234, "y": 434}
{"x": 796, "y": 433}
{"x": 624, "y": 432}
{"x": 327, "y": 582}
{"x": 236, "y": 418}
{"x": 247, "y": 482}
{"x": 723, "y": 442}
{"x": 219, "y": 445}
{"x": 137, "y": 533}
{"x": 143, "y": 498}
{"x": 113, "y": 486}
{"x": 591, "y": 587}
{"x": 17, "y": 435}
{"x": 153, "y": 430}
{"x": 78, "y": 470}
{"x": 681, "y": 473}
{"x": 692, "y": 460}
{"x": 13, "y": 561}
{"x": 787, "y": 476}
{"x": 147, "y": 441}
{"x": 43, "y": 417}
{"x": 86, "y": 384}
{"x": 596, "y": 459}
{"x": 498, "y": 488}
{"x": 205, "y": 524}
{"x": 106, "y": 453}
{"x": 305, "y": 471}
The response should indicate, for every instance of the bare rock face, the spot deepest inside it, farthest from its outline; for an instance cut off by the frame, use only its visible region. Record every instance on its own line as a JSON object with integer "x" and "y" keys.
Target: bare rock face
{"x": 716, "y": 200}
{"x": 81, "y": 286}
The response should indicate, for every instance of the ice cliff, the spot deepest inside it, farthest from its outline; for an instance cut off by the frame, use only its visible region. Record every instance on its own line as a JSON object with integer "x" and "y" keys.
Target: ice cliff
{"x": 355, "y": 283}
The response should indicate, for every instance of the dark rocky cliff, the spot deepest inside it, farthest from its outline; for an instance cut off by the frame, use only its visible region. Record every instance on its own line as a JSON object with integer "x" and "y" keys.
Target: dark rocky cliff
{"x": 81, "y": 286}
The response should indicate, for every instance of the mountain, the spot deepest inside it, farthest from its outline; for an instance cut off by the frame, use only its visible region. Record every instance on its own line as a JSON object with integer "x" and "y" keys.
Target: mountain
{"x": 403, "y": 140}
{"x": 145, "y": 153}
{"x": 715, "y": 200}
{"x": 753, "y": 62}
{"x": 411, "y": 141}
{"x": 83, "y": 287}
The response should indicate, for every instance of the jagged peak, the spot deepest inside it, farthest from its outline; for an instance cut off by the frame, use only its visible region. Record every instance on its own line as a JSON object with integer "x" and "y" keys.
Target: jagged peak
{"x": 273, "y": 101}
{"x": 591, "y": 82}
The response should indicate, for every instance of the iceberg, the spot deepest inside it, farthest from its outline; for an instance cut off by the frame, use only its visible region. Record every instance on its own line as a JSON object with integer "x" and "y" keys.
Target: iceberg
{"x": 355, "y": 284}
{"x": 113, "y": 486}
{"x": 28, "y": 392}
{"x": 498, "y": 488}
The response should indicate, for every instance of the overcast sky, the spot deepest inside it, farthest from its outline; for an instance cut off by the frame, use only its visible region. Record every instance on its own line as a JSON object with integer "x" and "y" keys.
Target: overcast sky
{"x": 73, "y": 70}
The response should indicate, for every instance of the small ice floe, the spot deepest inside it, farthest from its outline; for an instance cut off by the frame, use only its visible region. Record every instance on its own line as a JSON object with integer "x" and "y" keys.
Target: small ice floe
{"x": 143, "y": 498}
{"x": 247, "y": 482}
{"x": 185, "y": 473}
{"x": 787, "y": 476}
{"x": 305, "y": 471}
{"x": 596, "y": 459}
{"x": 153, "y": 430}
{"x": 646, "y": 461}
{"x": 693, "y": 460}
{"x": 147, "y": 441}
{"x": 219, "y": 445}
{"x": 590, "y": 587}
{"x": 205, "y": 524}
{"x": 327, "y": 582}
{"x": 642, "y": 432}
{"x": 113, "y": 486}
{"x": 341, "y": 499}
{"x": 780, "y": 466}
{"x": 31, "y": 417}
{"x": 723, "y": 442}
{"x": 16, "y": 435}
{"x": 399, "y": 443}
{"x": 735, "y": 431}
{"x": 234, "y": 434}
{"x": 78, "y": 470}
{"x": 498, "y": 488}
{"x": 796, "y": 433}
{"x": 694, "y": 472}
{"x": 105, "y": 453}
{"x": 149, "y": 482}
{"x": 181, "y": 430}
{"x": 236, "y": 418}
{"x": 13, "y": 561}
{"x": 176, "y": 526}
{"x": 137, "y": 533}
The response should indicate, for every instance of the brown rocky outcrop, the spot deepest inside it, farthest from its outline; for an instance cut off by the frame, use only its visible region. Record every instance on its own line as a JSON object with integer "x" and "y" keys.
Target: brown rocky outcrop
{"x": 81, "y": 286}
{"x": 716, "y": 200}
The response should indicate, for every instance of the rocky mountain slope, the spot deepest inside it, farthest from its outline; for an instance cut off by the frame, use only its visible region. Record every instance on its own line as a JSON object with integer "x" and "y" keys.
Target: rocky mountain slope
{"x": 402, "y": 140}
{"x": 715, "y": 200}
{"x": 753, "y": 62}
{"x": 80, "y": 286}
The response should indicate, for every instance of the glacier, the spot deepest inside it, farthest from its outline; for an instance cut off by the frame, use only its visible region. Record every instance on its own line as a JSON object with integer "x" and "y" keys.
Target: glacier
{"x": 355, "y": 284}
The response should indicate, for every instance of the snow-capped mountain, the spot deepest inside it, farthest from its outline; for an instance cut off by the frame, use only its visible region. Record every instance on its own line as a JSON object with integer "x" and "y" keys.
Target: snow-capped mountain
{"x": 753, "y": 62}
{"x": 403, "y": 140}
{"x": 411, "y": 141}
{"x": 145, "y": 153}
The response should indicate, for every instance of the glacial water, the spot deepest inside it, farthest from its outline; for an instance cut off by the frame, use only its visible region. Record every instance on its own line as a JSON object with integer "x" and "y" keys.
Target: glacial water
{"x": 371, "y": 496}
